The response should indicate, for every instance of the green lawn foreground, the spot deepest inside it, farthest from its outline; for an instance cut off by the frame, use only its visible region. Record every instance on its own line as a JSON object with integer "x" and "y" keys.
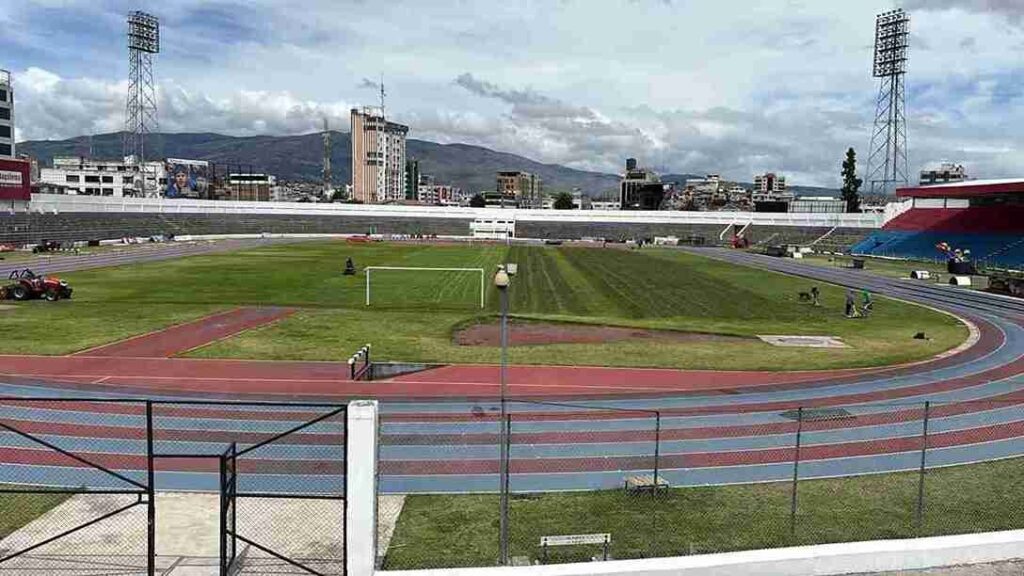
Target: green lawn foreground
{"x": 455, "y": 531}
{"x": 17, "y": 510}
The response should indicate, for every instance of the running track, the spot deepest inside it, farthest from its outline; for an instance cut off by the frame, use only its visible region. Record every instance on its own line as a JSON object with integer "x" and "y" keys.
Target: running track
{"x": 715, "y": 428}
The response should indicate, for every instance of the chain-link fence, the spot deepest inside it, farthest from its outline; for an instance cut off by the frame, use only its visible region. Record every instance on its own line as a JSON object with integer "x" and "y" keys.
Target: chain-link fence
{"x": 588, "y": 482}
{"x": 125, "y": 485}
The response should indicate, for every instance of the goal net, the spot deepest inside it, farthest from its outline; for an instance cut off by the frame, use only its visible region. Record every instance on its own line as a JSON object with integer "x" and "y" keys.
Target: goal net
{"x": 418, "y": 286}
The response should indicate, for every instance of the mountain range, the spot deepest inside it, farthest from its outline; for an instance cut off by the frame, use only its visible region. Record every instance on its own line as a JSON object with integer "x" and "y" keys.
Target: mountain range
{"x": 293, "y": 158}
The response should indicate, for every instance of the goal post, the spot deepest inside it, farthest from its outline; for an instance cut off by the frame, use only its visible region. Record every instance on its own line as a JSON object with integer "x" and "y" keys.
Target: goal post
{"x": 369, "y": 269}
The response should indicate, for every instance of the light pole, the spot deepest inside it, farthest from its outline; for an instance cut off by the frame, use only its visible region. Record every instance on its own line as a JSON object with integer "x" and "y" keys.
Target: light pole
{"x": 501, "y": 282}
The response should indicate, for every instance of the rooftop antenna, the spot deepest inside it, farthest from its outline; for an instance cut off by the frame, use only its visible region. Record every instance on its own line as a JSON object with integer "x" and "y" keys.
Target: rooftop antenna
{"x": 327, "y": 160}
{"x": 382, "y": 148}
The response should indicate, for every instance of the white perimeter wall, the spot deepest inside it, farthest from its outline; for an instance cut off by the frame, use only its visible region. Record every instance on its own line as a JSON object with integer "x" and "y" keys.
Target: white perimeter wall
{"x": 54, "y": 203}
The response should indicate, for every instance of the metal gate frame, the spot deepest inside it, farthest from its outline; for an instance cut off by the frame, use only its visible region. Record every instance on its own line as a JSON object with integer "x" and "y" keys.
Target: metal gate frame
{"x": 230, "y": 495}
{"x": 144, "y": 493}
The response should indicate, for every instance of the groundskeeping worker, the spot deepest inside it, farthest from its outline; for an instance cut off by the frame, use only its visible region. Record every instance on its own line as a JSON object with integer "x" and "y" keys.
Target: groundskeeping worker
{"x": 851, "y": 308}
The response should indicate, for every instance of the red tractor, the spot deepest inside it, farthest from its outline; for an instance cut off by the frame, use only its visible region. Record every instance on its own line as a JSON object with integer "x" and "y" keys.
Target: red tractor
{"x": 25, "y": 285}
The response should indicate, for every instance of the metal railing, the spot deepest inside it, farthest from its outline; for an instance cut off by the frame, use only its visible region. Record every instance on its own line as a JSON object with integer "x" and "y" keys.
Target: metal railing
{"x": 88, "y": 461}
{"x": 679, "y": 481}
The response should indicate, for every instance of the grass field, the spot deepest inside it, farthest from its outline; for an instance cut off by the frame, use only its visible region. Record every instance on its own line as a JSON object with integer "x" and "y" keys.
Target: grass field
{"x": 414, "y": 314}
{"x": 450, "y": 531}
{"x": 879, "y": 266}
{"x": 20, "y": 509}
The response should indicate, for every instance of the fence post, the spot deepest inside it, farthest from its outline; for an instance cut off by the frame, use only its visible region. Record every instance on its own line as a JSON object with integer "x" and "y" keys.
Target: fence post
{"x": 503, "y": 479}
{"x": 150, "y": 495}
{"x": 796, "y": 471}
{"x": 657, "y": 446}
{"x": 361, "y": 488}
{"x": 920, "y": 479}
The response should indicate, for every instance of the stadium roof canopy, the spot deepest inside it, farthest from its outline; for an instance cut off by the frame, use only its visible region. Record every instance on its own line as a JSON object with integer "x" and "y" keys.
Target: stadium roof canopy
{"x": 966, "y": 189}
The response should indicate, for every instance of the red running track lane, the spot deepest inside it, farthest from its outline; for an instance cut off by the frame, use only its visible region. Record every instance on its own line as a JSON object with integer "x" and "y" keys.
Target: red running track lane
{"x": 241, "y": 378}
{"x": 184, "y": 337}
{"x": 255, "y": 465}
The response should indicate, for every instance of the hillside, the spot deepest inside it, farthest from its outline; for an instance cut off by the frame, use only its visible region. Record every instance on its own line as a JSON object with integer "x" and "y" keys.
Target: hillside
{"x": 299, "y": 158}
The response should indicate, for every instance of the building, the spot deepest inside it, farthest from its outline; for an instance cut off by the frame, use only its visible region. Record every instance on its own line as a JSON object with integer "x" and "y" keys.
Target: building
{"x": 439, "y": 195}
{"x": 605, "y": 205}
{"x": 524, "y": 187}
{"x": 498, "y": 199}
{"x": 640, "y": 188}
{"x": 491, "y": 228}
{"x": 15, "y": 185}
{"x": 6, "y": 116}
{"x": 412, "y": 179}
{"x": 818, "y": 205}
{"x": 91, "y": 177}
{"x": 173, "y": 177}
{"x": 378, "y": 157}
{"x": 944, "y": 173}
{"x": 769, "y": 183}
{"x": 250, "y": 187}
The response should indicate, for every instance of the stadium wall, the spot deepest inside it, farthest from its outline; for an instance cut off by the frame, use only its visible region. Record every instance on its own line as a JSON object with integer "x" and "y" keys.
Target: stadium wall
{"x": 77, "y": 218}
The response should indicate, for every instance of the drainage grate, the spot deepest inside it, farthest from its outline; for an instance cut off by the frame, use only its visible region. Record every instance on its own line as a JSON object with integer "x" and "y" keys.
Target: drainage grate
{"x": 819, "y": 414}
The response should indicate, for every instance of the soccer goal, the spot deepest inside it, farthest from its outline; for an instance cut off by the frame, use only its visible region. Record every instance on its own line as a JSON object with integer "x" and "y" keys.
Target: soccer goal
{"x": 370, "y": 269}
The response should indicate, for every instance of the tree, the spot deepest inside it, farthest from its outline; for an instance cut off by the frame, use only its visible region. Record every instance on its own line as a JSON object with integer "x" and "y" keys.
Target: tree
{"x": 851, "y": 184}
{"x": 563, "y": 201}
{"x": 477, "y": 201}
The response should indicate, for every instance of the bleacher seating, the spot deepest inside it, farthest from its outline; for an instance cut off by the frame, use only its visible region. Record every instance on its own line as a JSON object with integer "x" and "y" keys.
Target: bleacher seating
{"x": 991, "y": 233}
{"x": 1001, "y": 249}
{"x": 24, "y": 228}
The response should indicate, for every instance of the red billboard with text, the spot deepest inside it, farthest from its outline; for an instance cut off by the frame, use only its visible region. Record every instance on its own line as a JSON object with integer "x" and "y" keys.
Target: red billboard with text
{"x": 14, "y": 180}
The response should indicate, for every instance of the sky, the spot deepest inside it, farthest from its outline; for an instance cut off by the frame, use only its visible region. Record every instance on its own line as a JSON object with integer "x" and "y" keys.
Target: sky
{"x": 735, "y": 87}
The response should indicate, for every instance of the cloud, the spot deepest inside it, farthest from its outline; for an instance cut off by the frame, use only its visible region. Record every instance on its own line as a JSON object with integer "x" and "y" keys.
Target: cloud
{"x": 51, "y": 107}
{"x": 729, "y": 86}
{"x": 1011, "y": 9}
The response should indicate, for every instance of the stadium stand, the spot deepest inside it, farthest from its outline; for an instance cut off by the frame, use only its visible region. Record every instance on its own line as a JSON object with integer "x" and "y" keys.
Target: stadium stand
{"x": 25, "y": 228}
{"x": 985, "y": 217}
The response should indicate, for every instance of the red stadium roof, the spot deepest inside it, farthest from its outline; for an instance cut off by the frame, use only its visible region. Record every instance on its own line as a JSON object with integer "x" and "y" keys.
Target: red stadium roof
{"x": 968, "y": 189}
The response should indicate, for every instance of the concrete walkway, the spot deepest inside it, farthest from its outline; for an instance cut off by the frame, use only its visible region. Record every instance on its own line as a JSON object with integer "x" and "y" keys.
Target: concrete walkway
{"x": 187, "y": 538}
{"x": 1013, "y": 568}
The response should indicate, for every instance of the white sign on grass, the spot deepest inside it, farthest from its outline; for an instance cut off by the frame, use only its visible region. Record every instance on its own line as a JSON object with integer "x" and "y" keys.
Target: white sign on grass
{"x": 575, "y": 539}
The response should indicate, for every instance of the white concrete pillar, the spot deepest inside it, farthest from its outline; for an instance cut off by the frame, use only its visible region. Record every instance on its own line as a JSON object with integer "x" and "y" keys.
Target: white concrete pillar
{"x": 361, "y": 488}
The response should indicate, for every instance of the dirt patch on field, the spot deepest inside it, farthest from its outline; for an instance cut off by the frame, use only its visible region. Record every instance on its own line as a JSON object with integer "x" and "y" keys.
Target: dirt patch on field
{"x": 539, "y": 333}
{"x": 7, "y": 307}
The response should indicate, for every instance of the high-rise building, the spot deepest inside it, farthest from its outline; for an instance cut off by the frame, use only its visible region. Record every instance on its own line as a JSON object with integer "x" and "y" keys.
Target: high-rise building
{"x": 6, "y": 115}
{"x": 412, "y": 179}
{"x": 378, "y": 157}
{"x": 640, "y": 188}
{"x": 523, "y": 187}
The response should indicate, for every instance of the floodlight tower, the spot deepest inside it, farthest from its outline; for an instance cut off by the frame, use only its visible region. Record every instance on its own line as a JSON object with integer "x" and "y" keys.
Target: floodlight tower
{"x": 140, "y": 111}
{"x": 887, "y": 160}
